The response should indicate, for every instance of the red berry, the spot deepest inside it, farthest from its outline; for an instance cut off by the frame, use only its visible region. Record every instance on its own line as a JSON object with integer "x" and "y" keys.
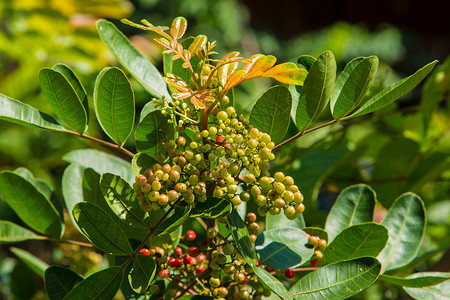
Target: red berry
{"x": 244, "y": 282}
{"x": 191, "y": 261}
{"x": 314, "y": 262}
{"x": 219, "y": 139}
{"x": 193, "y": 251}
{"x": 200, "y": 269}
{"x": 144, "y": 251}
{"x": 190, "y": 235}
{"x": 178, "y": 251}
{"x": 164, "y": 273}
{"x": 289, "y": 273}
{"x": 177, "y": 263}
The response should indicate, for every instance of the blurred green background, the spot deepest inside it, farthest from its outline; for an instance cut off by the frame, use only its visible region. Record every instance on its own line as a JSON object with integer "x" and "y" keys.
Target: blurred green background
{"x": 404, "y": 147}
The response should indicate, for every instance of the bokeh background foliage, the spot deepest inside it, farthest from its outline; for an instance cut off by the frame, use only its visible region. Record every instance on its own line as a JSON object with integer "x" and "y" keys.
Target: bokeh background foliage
{"x": 405, "y": 147}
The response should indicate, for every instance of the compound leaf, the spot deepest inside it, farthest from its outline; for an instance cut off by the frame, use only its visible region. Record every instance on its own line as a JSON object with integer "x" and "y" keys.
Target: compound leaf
{"x": 60, "y": 281}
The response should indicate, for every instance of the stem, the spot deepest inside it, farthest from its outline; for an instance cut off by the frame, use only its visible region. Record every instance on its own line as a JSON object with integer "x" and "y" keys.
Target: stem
{"x": 102, "y": 142}
{"x": 200, "y": 276}
{"x": 83, "y": 244}
{"x": 301, "y": 134}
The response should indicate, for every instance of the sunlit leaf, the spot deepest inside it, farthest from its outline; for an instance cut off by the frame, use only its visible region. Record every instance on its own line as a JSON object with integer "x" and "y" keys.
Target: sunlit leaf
{"x": 212, "y": 208}
{"x": 316, "y": 91}
{"x": 418, "y": 280}
{"x": 280, "y": 221}
{"x": 394, "y": 91}
{"x": 405, "y": 221}
{"x": 234, "y": 79}
{"x": 439, "y": 291}
{"x": 271, "y": 112}
{"x": 178, "y": 27}
{"x": 29, "y": 204}
{"x": 13, "y": 233}
{"x": 354, "y": 205}
{"x": 259, "y": 65}
{"x": 63, "y": 99}
{"x": 271, "y": 282}
{"x": 114, "y": 104}
{"x": 352, "y": 85}
{"x": 100, "y": 229}
{"x": 241, "y": 237}
{"x": 287, "y": 73}
{"x": 23, "y": 114}
{"x": 198, "y": 43}
{"x": 142, "y": 162}
{"x": 337, "y": 281}
{"x": 174, "y": 221}
{"x": 131, "y": 59}
{"x": 360, "y": 240}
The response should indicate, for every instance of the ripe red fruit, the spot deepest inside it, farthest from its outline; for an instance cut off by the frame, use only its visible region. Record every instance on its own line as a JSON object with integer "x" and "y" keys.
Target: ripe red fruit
{"x": 244, "y": 282}
{"x": 164, "y": 273}
{"x": 289, "y": 273}
{"x": 314, "y": 262}
{"x": 191, "y": 261}
{"x": 175, "y": 262}
{"x": 219, "y": 139}
{"x": 200, "y": 269}
{"x": 144, "y": 251}
{"x": 193, "y": 251}
{"x": 190, "y": 235}
{"x": 178, "y": 251}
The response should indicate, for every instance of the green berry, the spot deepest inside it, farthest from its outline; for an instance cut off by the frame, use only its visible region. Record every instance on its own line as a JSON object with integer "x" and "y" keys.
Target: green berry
{"x": 222, "y": 115}
{"x": 279, "y": 176}
{"x": 260, "y": 200}
{"x": 249, "y": 178}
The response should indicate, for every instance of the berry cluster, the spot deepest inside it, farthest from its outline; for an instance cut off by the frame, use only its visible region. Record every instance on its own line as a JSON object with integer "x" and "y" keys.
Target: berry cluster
{"x": 220, "y": 270}
{"x": 319, "y": 245}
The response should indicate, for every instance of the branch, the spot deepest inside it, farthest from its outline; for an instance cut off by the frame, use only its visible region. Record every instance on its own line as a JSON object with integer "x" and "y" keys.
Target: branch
{"x": 102, "y": 142}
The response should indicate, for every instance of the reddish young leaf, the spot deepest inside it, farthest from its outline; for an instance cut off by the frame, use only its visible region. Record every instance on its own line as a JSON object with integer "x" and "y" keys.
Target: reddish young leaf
{"x": 178, "y": 27}
{"x": 198, "y": 44}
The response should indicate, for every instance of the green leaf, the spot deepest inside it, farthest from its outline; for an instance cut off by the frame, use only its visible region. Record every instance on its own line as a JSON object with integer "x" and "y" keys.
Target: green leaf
{"x": 352, "y": 85}
{"x": 76, "y": 84}
{"x": 72, "y": 189}
{"x": 102, "y": 285}
{"x": 439, "y": 291}
{"x": 337, "y": 281}
{"x": 178, "y": 27}
{"x": 394, "y": 91}
{"x": 13, "y": 233}
{"x": 60, "y": 281}
{"x": 29, "y": 204}
{"x": 63, "y": 99}
{"x": 100, "y": 229}
{"x": 241, "y": 237}
{"x": 142, "y": 273}
{"x": 360, "y": 240}
{"x": 271, "y": 282}
{"x": 283, "y": 248}
{"x": 114, "y": 104}
{"x": 212, "y": 208}
{"x": 131, "y": 59}
{"x": 271, "y": 111}
{"x": 306, "y": 61}
{"x": 152, "y": 131}
{"x": 36, "y": 264}
{"x": 101, "y": 162}
{"x": 122, "y": 200}
{"x": 142, "y": 162}
{"x": 405, "y": 221}
{"x": 418, "y": 280}
{"x": 354, "y": 205}
{"x": 17, "y": 112}
{"x": 280, "y": 221}
{"x": 287, "y": 73}
{"x": 174, "y": 221}
{"x": 316, "y": 91}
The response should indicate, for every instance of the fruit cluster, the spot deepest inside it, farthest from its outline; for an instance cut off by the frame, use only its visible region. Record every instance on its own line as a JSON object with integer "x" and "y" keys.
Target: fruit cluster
{"x": 229, "y": 161}
{"x": 217, "y": 271}
{"x": 319, "y": 245}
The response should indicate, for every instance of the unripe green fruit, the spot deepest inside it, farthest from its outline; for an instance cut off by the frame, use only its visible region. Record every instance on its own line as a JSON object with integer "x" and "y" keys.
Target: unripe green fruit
{"x": 212, "y": 131}
{"x": 244, "y": 294}
{"x": 154, "y": 289}
{"x": 253, "y": 228}
{"x": 255, "y": 191}
{"x": 260, "y": 200}
{"x": 214, "y": 282}
{"x": 146, "y": 188}
{"x": 232, "y": 188}
{"x": 279, "y": 203}
{"x": 239, "y": 277}
{"x": 159, "y": 173}
{"x": 230, "y": 269}
{"x": 279, "y": 187}
{"x": 317, "y": 255}
{"x": 141, "y": 179}
{"x": 181, "y": 141}
{"x": 265, "y": 138}
{"x": 223, "y": 291}
{"x": 221, "y": 259}
{"x": 225, "y": 100}
{"x": 289, "y": 212}
{"x": 163, "y": 199}
{"x": 215, "y": 273}
{"x": 189, "y": 154}
{"x": 174, "y": 176}
{"x": 189, "y": 198}
{"x": 205, "y": 133}
{"x": 172, "y": 195}
{"x": 193, "y": 145}
{"x": 254, "y": 133}
{"x": 249, "y": 178}
{"x": 288, "y": 196}
{"x": 222, "y": 115}
{"x": 298, "y": 197}
{"x": 211, "y": 233}
{"x": 234, "y": 169}
{"x": 322, "y": 244}
{"x": 252, "y": 143}
{"x": 146, "y": 207}
{"x": 265, "y": 182}
{"x": 228, "y": 249}
{"x": 265, "y": 153}
{"x": 245, "y": 196}
{"x": 262, "y": 211}
{"x": 153, "y": 195}
{"x": 279, "y": 176}
{"x": 193, "y": 179}
{"x": 288, "y": 181}
{"x": 236, "y": 200}
{"x": 300, "y": 208}
{"x": 156, "y": 185}
{"x": 180, "y": 187}
{"x": 264, "y": 166}
{"x": 274, "y": 210}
